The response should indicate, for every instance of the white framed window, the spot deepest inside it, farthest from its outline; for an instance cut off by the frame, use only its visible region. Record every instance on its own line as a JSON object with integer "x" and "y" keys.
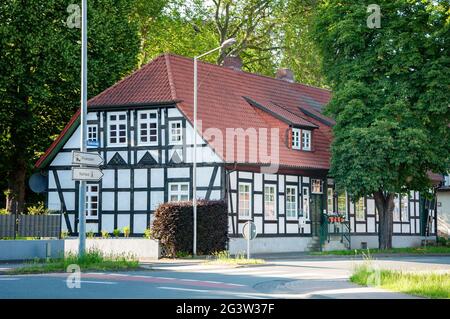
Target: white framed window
{"x": 396, "y": 212}
{"x": 270, "y": 204}
{"x": 296, "y": 138}
{"x": 92, "y": 201}
{"x": 404, "y": 208}
{"x": 117, "y": 128}
{"x": 291, "y": 201}
{"x": 245, "y": 200}
{"x": 147, "y": 127}
{"x": 360, "y": 209}
{"x": 306, "y": 140}
{"x": 316, "y": 186}
{"x": 178, "y": 191}
{"x": 330, "y": 200}
{"x": 175, "y": 132}
{"x": 305, "y": 210}
{"x": 92, "y": 135}
{"x": 342, "y": 203}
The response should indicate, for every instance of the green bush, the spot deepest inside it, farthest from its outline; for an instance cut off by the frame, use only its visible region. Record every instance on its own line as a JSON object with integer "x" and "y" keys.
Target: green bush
{"x": 105, "y": 234}
{"x": 126, "y": 231}
{"x": 38, "y": 209}
{"x": 173, "y": 226}
{"x": 148, "y": 233}
{"x": 116, "y": 232}
{"x": 4, "y": 211}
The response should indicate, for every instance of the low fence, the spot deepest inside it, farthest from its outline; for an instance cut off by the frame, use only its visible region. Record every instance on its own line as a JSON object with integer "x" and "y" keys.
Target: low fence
{"x": 30, "y": 225}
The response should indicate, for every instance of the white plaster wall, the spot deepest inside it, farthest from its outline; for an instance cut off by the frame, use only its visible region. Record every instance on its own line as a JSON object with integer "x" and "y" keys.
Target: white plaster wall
{"x": 397, "y": 241}
{"x": 269, "y": 245}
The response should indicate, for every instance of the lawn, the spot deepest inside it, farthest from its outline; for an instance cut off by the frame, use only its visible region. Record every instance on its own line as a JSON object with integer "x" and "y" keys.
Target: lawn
{"x": 434, "y": 250}
{"x": 92, "y": 260}
{"x": 430, "y": 285}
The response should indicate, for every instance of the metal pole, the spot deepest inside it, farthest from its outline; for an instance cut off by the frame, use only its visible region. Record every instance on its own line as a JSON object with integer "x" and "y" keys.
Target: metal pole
{"x": 248, "y": 241}
{"x": 82, "y": 190}
{"x": 194, "y": 169}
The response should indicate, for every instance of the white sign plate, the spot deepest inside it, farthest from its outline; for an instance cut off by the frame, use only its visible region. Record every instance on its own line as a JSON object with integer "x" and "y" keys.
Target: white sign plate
{"x": 249, "y": 230}
{"x": 86, "y": 174}
{"x": 89, "y": 159}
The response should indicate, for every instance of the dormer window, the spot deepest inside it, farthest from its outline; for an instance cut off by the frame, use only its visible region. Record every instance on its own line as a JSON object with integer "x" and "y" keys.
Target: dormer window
{"x": 296, "y": 138}
{"x": 306, "y": 140}
{"x": 301, "y": 139}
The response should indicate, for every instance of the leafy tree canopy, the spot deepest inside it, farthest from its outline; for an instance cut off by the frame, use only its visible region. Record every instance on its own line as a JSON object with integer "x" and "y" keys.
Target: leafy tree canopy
{"x": 390, "y": 92}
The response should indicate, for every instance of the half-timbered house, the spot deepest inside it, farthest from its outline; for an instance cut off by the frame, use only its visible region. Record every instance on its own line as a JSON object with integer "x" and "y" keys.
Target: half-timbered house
{"x": 263, "y": 146}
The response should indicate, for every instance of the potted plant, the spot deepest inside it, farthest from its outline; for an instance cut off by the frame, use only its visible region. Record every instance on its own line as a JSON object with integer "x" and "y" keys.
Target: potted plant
{"x": 116, "y": 232}
{"x": 126, "y": 231}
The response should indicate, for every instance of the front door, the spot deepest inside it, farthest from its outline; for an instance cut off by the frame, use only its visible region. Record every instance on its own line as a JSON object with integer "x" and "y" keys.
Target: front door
{"x": 316, "y": 213}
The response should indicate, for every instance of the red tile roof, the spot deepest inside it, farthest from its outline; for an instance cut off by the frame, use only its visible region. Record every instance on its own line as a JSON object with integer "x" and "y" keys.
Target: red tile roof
{"x": 222, "y": 104}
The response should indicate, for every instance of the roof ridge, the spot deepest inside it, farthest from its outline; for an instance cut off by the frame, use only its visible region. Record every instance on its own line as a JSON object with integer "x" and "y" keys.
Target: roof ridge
{"x": 250, "y": 73}
{"x": 173, "y": 91}
{"x": 133, "y": 73}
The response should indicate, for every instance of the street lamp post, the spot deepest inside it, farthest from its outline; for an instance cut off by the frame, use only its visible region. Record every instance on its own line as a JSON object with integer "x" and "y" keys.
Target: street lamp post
{"x": 225, "y": 44}
{"x": 83, "y": 116}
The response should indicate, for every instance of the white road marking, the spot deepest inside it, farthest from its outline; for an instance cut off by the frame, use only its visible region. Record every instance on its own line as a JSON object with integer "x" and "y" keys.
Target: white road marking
{"x": 9, "y": 279}
{"x": 183, "y": 289}
{"x": 96, "y": 282}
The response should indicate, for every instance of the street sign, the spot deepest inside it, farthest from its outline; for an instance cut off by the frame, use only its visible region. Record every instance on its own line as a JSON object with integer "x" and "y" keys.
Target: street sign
{"x": 249, "y": 226}
{"x": 249, "y": 233}
{"x": 90, "y": 174}
{"x": 84, "y": 158}
{"x": 92, "y": 143}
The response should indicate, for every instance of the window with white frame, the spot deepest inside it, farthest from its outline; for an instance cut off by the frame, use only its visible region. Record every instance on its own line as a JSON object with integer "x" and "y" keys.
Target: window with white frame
{"x": 306, "y": 140}
{"x": 92, "y": 201}
{"x": 316, "y": 186}
{"x": 296, "y": 138}
{"x": 305, "y": 209}
{"x": 175, "y": 132}
{"x": 404, "y": 208}
{"x": 291, "y": 201}
{"x": 117, "y": 128}
{"x": 270, "y": 202}
{"x": 330, "y": 200}
{"x": 92, "y": 135}
{"x": 360, "y": 209}
{"x": 342, "y": 203}
{"x": 148, "y": 127}
{"x": 396, "y": 212}
{"x": 245, "y": 200}
{"x": 178, "y": 191}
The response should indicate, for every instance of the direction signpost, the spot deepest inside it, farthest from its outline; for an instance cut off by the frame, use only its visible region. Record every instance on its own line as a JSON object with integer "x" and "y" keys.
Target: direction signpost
{"x": 88, "y": 159}
{"x": 249, "y": 233}
{"x": 88, "y": 171}
{"x": 87, "y": 174}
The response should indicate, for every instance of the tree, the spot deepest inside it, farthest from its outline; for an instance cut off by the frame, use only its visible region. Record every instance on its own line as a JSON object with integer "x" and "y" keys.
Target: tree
{"x": 390, "y": 97}
{"x": 40, "y": 75}
{"x": 299, "y": 52}
{"x": 191, "y": 28}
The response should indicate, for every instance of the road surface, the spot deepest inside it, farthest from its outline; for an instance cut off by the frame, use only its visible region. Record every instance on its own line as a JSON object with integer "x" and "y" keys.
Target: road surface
{"x": 298, "y": 278}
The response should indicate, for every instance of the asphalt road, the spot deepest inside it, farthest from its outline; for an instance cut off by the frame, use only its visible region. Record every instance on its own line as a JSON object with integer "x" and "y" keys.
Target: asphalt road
{"x": 301, "y": 278}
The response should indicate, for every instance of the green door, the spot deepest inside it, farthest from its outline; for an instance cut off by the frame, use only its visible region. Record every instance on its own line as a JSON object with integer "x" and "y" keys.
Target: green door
{"x": 316, "y": 213}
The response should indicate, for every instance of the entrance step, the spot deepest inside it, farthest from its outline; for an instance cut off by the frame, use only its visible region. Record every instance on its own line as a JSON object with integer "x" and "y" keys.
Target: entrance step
{"x": 334, "y": 245}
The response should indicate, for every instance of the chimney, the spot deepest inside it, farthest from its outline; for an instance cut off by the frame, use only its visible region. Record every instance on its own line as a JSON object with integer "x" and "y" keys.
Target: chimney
{"x": 285, "y": 75}
{"x": 232, "y": 62}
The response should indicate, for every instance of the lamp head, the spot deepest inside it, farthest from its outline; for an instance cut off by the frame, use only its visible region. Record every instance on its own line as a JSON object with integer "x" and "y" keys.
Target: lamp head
{"x": 227, "y": 43}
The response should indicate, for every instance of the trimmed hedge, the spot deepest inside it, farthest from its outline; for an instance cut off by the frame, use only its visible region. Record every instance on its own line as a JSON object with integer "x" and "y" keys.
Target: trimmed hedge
{"x": 173, "y": 226}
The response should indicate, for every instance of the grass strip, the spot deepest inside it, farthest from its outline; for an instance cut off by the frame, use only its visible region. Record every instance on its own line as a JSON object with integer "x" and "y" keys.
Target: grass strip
{"x": 91, "y": 260}
{"x": 429, "y": 284}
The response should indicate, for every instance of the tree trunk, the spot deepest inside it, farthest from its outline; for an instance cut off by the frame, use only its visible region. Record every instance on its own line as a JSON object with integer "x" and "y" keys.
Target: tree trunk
{"x": 385, "y": 207}
{"x": 15, "y": 195}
